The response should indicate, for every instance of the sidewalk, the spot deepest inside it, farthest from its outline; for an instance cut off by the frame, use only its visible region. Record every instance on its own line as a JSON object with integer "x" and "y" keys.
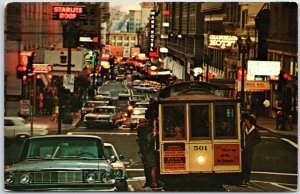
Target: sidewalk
{"x": 269, "y": 124}
{"x": 53, "y": 125}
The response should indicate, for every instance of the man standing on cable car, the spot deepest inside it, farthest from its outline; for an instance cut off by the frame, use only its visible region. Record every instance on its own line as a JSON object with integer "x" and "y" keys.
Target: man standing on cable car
{"x": 251, "y": 138}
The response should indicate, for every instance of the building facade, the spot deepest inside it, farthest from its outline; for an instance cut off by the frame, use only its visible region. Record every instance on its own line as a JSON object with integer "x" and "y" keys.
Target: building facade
{"x": 135, "y": 19}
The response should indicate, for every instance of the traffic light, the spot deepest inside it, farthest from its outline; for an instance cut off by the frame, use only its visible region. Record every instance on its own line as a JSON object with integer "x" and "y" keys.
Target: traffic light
{"x": 283, "y": 77}
{"x": 20, "y": 71}
{"x": 29, "y": 67}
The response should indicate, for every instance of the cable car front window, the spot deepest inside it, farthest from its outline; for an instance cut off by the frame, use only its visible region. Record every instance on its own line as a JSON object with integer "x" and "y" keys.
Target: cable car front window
{"x": 173, "y": 122}
{"x": 225, "y": 120}
{"x": 199, "y": 121}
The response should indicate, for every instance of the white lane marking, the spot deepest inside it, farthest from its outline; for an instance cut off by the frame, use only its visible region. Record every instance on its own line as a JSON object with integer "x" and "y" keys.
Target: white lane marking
{"x": 274, "y": 173}
{"x": 134, "y": 169}
{"x": 284, "y": 139}
{"x": 278, "y": 184}
{"x": 283, "y": 187}
{"x": 136, "y": 178}
{"x": 290, "y": 142}
{"x": 130, "y": 188}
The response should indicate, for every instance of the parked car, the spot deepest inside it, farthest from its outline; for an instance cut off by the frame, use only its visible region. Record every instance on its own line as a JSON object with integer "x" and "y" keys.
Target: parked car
{"x": 63, "y": 163}
{"x": 18, "y": 128}
{"x": 105, "y": 116}
{"x": 112, "y": 154}
{"x": 120, "y": 77}
{"x": 136, "y": 115}
{"x": 144, "y": 88}
{"x": 90, "y": 105}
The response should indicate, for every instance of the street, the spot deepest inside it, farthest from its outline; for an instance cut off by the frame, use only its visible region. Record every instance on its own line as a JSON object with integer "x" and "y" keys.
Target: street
{"x": 274, "y": 166}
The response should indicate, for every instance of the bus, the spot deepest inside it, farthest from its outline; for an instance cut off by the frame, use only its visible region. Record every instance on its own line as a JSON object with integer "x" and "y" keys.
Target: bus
{"x": 199, "y": 133}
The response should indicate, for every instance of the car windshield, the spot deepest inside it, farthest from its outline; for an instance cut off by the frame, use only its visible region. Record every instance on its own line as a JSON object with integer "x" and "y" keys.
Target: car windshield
{"x": 109, "y": 111}
{"x": 63, "y": 148}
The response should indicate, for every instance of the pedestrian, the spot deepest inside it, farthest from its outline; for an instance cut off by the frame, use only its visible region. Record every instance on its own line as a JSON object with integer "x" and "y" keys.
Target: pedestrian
{"x": 151, "y": 156}
{"x": 141, "y": 140}
{"x": 266, "y": 104}
{"x": 41, "y": 103}
{"x": 251, "y": 138}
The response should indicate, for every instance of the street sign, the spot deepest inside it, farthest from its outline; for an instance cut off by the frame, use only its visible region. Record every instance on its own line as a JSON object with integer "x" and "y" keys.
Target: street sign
{"x": 25, "y": 107}
{"x": 68, "y": 82}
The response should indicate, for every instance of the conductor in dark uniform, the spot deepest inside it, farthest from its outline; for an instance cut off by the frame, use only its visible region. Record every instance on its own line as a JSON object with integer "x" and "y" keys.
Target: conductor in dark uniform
{"x": 251, "y": 138}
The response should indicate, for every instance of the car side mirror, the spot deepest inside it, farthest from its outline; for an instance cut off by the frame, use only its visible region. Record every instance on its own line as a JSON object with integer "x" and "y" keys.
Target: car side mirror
{"x": 113, "y": 159}
{"x": 121, "y": 156}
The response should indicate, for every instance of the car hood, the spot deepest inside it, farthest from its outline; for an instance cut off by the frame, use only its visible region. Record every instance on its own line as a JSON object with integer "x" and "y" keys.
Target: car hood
{"x": 98, "y": 115}
{"x": 35, "y": 165}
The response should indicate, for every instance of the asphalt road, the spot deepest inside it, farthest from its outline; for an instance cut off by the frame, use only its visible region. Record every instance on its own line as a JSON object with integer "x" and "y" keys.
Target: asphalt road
{"x": 275, "y": 164}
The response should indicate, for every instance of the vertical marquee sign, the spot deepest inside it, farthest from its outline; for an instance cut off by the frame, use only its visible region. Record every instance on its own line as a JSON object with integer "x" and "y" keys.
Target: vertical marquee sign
{"x": 67, "y": 12}
{"x": 152, "y": 32}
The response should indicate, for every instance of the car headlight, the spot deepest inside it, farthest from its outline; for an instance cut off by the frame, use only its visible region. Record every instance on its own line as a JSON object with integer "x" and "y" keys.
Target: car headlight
{"x": 10, "y": 179}
{"x": 91, "y": 177}
{"x": 106, "y": 177}
{"x": 118, "y": 173}
{"x": 25, "y": 179}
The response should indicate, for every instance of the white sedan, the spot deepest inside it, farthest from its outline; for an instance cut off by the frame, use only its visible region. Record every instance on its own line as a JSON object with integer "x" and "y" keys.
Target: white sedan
{"x": 19, "y": 128}
{"x": 144, "y": 88}
{"x": 136, "y": 115}
{"x": 118, "y": 163}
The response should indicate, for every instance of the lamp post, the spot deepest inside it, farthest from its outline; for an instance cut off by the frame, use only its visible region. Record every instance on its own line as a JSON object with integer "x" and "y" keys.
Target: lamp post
{"x": 243, "y": 49}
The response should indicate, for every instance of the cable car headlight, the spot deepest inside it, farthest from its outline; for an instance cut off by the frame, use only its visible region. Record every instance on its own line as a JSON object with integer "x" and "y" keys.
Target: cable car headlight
{"x": 24, "y": 179}
{"x": 201, "y": 159}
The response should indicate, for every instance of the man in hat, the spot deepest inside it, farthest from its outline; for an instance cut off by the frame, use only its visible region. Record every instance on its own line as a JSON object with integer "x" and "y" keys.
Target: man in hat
{"x": 251, "y": 138}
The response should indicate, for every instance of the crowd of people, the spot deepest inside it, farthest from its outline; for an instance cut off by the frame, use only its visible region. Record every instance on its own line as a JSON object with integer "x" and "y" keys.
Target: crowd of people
{"x": 47, "y": 103}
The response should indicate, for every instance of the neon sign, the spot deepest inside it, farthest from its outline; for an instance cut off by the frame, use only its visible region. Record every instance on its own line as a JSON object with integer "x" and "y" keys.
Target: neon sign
{"x": 152, "y": 32}
{"x": 67, "y": 12}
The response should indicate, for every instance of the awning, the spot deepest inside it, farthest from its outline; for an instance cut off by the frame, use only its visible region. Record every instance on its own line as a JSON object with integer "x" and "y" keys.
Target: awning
{"x": 253, "y": 86}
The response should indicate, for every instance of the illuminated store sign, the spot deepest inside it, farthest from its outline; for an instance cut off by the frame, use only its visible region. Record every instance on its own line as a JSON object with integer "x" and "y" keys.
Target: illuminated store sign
{"x": 152, "y": 32}
{"x": 67, "y": 12}
{"x": 222, "y": 41}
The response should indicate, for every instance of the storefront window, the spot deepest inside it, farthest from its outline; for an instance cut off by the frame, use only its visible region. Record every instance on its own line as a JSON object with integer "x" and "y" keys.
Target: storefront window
{"x": 174, "y": 127}
{"x": 199, "y": 121}
{"x": 225, "y": 120}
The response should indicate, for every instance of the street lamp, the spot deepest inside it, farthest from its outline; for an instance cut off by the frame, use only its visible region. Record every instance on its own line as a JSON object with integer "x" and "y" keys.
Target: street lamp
{"x": 243, "y": 49}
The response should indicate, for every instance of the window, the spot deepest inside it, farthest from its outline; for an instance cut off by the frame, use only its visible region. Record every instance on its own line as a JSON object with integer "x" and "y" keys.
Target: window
{"x": 225, "y": 120}
{"x": 174, "y": 125}
{"x": 199, "y": 121}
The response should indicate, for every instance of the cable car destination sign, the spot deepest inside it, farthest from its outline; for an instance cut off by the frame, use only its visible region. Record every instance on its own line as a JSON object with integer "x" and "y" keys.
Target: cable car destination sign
{"x": 70, "y": 12}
